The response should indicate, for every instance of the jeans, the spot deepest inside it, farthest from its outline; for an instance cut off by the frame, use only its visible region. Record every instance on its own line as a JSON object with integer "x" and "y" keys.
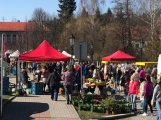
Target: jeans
{"x": 158, "y": 106}
{"x": 68, "y": 93}
{"x": 54, "y": 92}
{"x": 133, "y": 101}
{"x": 147, "y": 101}
{"x": 117, "y": 80}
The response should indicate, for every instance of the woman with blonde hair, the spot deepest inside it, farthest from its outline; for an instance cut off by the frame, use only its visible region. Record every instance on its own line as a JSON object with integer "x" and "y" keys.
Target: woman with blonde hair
{"x": 133, "y": 90}
{"x": 156, "y": 99}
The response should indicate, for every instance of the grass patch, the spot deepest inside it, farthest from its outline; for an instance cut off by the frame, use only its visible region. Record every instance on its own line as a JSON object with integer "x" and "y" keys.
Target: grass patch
{"x": 86, "y": 115}
{"x": 7, "y": 97}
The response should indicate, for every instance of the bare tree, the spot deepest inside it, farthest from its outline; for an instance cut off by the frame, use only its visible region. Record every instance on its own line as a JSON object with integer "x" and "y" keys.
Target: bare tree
{"x": 150, "y": 9}
{"x": 91, "y": 7}
{"x": 123, "y": 11}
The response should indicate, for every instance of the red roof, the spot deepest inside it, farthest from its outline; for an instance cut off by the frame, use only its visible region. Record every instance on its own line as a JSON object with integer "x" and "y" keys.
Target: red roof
{"x": 119, "y": 56}
{"x": 44, "y": 52}
{"x": 16, "y": 26}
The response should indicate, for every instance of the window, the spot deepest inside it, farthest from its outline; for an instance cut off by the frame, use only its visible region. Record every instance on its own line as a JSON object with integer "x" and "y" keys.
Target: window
{"x": 14, "y": 38}
{"x": 8, "y": 38}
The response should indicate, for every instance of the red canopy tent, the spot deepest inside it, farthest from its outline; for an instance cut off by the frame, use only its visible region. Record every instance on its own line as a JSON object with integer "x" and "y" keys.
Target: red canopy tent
{"x": 119, "y": 56}
{"x": 44, "y": 52}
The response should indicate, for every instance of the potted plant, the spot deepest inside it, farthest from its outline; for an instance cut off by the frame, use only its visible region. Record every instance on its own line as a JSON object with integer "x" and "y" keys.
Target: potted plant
{"x": 114, "y": 107}
{"x": 108, "y": 101}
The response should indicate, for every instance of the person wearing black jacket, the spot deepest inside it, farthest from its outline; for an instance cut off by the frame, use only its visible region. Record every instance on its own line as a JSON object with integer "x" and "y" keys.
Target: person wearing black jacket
{"x": 24, "y": 77}
{"x": 54, "y": 82}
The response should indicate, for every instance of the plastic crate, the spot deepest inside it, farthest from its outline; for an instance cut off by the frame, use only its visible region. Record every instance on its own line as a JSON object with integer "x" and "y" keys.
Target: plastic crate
{"x": 39, "y": 92}
{"x": 6, "y": 80}
{"x": 14, "y": 71}
{"x": 5, "y": 91}
{"x": 37, "y": 88}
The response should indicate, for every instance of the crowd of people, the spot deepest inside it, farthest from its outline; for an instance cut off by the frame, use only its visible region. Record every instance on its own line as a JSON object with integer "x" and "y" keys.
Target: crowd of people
{"x": 127, "y": 78}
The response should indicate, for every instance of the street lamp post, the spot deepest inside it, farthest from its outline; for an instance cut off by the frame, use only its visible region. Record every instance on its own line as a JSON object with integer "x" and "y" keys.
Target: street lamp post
{"x": 141, "y": 47}
{"x": 71, "y": 40}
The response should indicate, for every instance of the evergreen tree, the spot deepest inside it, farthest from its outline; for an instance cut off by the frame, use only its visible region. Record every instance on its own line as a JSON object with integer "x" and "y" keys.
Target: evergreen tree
{"x": 97, "y": 14}
{"x": 107, "y": 17}
{"x": 84, "y": 13}
{"x": 67, "y": 7}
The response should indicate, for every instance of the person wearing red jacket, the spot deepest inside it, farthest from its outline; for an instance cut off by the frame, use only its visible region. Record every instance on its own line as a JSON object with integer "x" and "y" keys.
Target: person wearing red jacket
{"x": 133, "y": 91}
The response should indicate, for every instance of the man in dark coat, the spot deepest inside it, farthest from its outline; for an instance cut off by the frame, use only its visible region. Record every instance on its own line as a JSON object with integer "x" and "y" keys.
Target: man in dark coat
{"x": 24, "y": 77}
{"x": 54, "y": 82}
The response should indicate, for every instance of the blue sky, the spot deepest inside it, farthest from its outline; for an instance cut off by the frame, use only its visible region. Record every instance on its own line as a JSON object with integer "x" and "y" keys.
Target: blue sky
{"x": 11, "y": 10}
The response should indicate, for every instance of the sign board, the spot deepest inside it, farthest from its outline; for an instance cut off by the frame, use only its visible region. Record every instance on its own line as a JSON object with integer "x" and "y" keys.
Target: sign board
{"x": 80, "y": 50}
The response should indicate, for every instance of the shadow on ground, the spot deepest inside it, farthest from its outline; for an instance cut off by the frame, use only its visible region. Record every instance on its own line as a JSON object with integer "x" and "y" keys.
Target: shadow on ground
{"x": 25, "y": 111}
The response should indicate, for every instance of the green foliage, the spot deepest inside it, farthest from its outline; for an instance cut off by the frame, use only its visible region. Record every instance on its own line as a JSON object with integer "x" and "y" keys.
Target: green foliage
{"x": 7, "y": 97}
{"x": 67, "y": 7}
{"x": 108, "y": 102}
{"x": 86, "y": 115}
{"x": 114, "y": 105}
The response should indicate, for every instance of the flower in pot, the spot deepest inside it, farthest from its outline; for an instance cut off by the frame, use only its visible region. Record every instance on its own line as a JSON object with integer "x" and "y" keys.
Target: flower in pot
{"x": 108, "y": 101}
{"x": 114, "y": 107}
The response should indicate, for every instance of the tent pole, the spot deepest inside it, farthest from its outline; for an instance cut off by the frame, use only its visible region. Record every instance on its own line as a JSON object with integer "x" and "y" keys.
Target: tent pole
{"x": 2, "y": 74}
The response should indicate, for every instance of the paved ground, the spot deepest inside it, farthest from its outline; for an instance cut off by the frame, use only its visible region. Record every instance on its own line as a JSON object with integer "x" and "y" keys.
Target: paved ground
{"x": 38, "y": 107}
{"x": 41, "y": 107}
{"x": 139, "y": 112}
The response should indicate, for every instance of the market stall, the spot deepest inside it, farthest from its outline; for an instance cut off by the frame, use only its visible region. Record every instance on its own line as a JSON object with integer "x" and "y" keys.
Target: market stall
{"x": 119, "y": 56}
{"x": 146, "y": 63}
{"x": 43, "y": 53}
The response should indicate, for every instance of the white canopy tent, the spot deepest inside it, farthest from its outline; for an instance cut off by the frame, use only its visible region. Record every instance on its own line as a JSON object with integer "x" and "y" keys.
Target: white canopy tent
{"x": 14, "y": 54}
{"x": 67, "y": 54}
{"x": 8, "y": 52}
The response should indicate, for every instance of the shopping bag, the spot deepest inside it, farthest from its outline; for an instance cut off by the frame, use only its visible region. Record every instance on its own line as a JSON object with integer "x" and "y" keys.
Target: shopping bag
{"x": 128, "y": 99}
{"x": 142, "y": 104}
{"x": 44, "y": 80}
{"x": 46, "y": 88}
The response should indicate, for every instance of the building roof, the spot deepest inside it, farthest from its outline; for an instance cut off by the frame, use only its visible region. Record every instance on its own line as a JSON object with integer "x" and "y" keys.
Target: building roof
{"x": 16, "y": 26}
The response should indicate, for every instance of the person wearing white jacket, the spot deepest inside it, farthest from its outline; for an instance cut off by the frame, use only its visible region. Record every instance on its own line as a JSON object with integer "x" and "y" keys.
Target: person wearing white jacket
{"x": 141, "y": 90}
{"x": 156, "y": 99}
